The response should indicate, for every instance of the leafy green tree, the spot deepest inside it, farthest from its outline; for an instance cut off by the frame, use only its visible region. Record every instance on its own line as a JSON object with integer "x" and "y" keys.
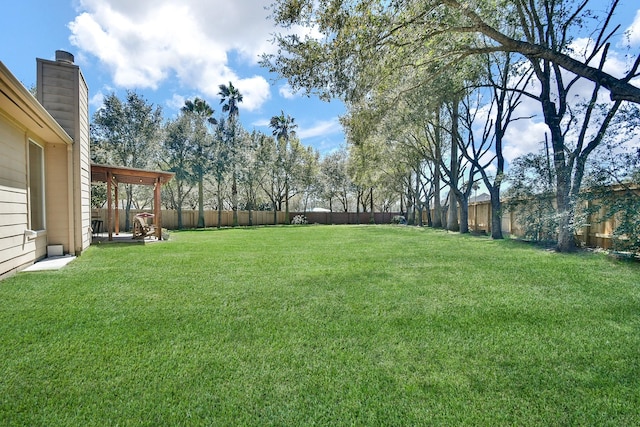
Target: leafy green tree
{"x": 530, "y": 196}
{"x": 254, "y": 171}
{"x": 200, "y": 113}
{"x": 179, "y": 156}
{"x": 284, "y": 129}
{"x": 221, "y": 161}
{"x": 506, "y": 84}
{"x": 367, "y": 47}
{"x": 272, "y": 155}
{"x": 230, "y": 97}
{"x": 335, "y": 179}
{"x": 358, "y": 37}
{"x": 307, "y": 173}
{"x": 126, "y": 133}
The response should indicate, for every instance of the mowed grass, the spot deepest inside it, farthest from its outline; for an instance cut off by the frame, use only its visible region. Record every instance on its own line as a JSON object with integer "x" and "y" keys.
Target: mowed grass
{"x": 322, "y": 325}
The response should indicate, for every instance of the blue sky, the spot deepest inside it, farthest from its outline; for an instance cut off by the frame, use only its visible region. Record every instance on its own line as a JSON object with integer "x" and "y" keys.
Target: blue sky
{"x": 168, "y": 51}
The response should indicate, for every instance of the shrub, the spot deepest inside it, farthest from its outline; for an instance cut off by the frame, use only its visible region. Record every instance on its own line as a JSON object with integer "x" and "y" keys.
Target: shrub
{"x": 398, "y": 219}
{"x": 299, "y": 219}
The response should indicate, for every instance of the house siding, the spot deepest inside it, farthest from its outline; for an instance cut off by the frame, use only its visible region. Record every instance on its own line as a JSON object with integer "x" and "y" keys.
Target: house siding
{"x": 57, "y": 191}
{"x": 84, "y": 161}
{"x": 16, "y": 250}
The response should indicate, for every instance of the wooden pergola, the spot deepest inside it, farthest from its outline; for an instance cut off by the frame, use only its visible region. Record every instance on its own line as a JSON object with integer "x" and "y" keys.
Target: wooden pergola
{"x": 114, "y": 175}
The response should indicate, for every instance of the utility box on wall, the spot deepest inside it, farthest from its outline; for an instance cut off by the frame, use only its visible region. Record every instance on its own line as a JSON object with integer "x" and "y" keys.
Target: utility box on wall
{"x": 54, "y": 250}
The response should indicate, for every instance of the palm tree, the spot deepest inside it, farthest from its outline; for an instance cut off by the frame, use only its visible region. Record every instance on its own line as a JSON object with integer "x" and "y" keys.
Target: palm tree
{"x": 283, "y": 129}
{"x": 203, "y": 113}
{"x": 230, "y": 97}
{"x": 283, "y": 126}
{"x": 201, "y": 108}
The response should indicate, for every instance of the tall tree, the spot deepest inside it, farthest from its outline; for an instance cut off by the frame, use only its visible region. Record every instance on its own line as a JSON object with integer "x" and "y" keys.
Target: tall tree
{"x": 505, "y": 90}
{"x": 179, "y": 156}
{"x": 201, "y": 114}
{"x": 221, "y": 161}
{"x": 366, "y": 46}
{"x": 126, "y": 133}
{"x": 230, "y": 97}
{"x": 360, "y": 34}
{"x": 254, "y": 173}
{"x": 283, "y": 129}
{"x": 335, "y": 178}
{"x": 272, "y": 160}
{"x": 549, "y": 27}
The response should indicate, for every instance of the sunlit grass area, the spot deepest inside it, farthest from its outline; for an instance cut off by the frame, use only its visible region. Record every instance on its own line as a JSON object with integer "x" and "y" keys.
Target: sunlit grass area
{"x": 322, "y": 325}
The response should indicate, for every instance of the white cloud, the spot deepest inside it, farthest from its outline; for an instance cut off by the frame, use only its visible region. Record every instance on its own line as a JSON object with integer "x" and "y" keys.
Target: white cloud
{"x": 522, "y": 138}
{"x": 176, "y": 102}
{"x": 287, "y": 92}
{"x": 321, "y": 128}
{"x": 633, "y": 32}
{"x": 144, "y": 43}
{"x": 97, "y": 100}
{"x": 262, "y": 123}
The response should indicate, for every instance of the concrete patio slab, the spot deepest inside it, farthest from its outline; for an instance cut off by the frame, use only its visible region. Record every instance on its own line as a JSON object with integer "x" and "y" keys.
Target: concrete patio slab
{"x": 53, "y": 263}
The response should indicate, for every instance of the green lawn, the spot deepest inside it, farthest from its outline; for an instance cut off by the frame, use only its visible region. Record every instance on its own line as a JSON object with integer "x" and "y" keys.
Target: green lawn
{"x": 322, "y": 325}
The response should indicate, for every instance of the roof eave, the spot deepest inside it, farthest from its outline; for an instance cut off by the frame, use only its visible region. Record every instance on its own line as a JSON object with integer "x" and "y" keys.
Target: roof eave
{"x": 26, "y": 109}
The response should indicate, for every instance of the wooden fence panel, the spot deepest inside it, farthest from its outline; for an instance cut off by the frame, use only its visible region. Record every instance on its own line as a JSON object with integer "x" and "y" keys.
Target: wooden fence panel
{"x": 597, "y": 233}
{"x": 190, "y": 218}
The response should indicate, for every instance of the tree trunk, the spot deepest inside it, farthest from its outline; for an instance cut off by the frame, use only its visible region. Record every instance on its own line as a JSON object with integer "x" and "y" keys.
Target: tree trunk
{"x": 200, "y": 201}
{"x": 219, "y": 191}
{"x": 496, "y": 213}
{"x": 372, "y": 218}
{"x": 275, "y": 215}
{"x": 464, "y": 214}
{"x": 437, "y": 207}
{"x": 286, "y": 201}
{"x": 444, "y": 212}
{"x": 452, "y": 219}
{"x": 179, "y": 212}
{"x": 452, "y": 213}
{"x": 234, "y": 197}
{"x": 565, "y": 210}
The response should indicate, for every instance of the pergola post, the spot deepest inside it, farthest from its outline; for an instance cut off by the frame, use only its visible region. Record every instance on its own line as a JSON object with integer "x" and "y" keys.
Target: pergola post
{"x": 109, "y": 208}
{"x": 117, "y": 225}
{"x": 157, "y": 211}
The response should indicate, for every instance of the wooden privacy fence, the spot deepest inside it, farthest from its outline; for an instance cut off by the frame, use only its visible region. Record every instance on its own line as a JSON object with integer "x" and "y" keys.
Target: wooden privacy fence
{"x": 346, "y": 217}
{"x": 597, "y": 233}
{"x": 190, "y": 218}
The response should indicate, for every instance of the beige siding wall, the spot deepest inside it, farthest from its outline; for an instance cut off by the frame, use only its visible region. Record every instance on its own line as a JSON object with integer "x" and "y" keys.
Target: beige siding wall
{"x": 57, "y": 196}
{"x": 15, "y": 249}
{"x": 84, "y": 162}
